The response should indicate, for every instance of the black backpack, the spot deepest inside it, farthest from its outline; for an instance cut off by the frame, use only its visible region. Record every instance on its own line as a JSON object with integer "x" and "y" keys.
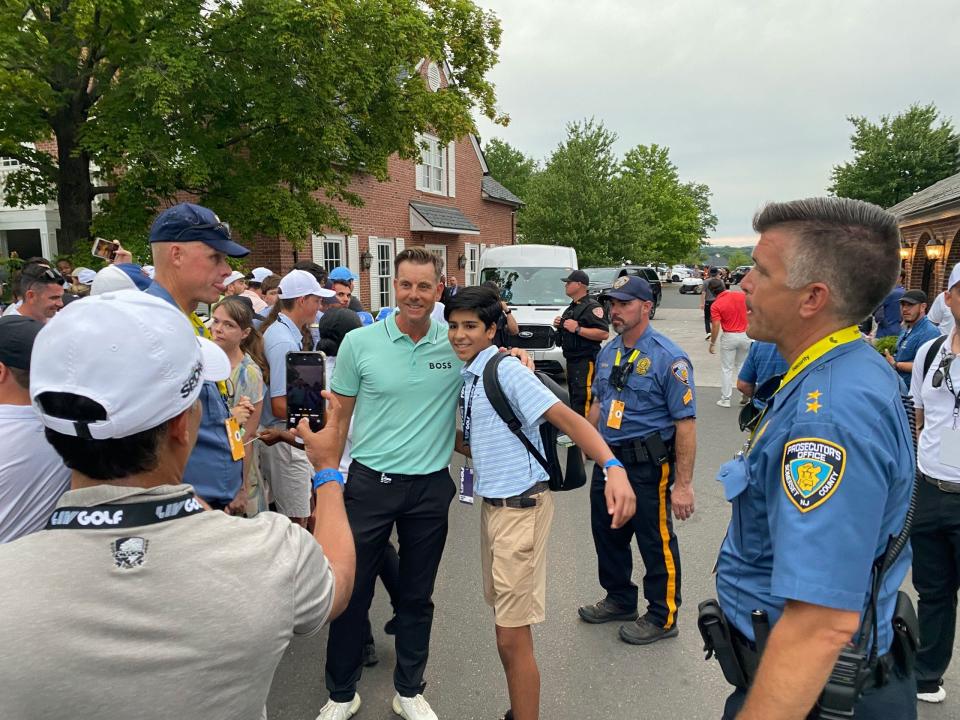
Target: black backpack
{"x": 574, "y": 476}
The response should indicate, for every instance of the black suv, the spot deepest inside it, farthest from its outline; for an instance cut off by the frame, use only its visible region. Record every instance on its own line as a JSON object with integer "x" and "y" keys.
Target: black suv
{"x": 602, "y": 279}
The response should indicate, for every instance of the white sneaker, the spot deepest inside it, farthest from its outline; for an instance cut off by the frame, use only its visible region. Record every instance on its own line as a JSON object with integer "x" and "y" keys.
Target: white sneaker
{"x": 933, "y": 697}
{"x": 415, "y": 708}
{"x": 340, "y": 711}
{"x": 723, "y": 403}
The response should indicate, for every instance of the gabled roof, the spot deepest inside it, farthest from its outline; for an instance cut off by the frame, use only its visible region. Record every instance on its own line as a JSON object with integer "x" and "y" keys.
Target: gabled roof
{"x": 940, "y": 193}
{"x": 440, "y": 218}
{"x": 493, "y": 190}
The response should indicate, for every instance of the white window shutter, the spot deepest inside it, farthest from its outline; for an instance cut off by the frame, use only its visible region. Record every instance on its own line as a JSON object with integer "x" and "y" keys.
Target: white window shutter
{"x": 452, "y": 169}
{"x": 374, "y": 274}
{"x": 316, "y": 245}
{"x": 401, "y": 244}
{"x": 353, "y": 253}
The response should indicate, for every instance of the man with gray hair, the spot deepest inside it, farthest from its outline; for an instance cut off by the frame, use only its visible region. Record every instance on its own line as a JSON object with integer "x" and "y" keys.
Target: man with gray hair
{"x": 806, "y": 572}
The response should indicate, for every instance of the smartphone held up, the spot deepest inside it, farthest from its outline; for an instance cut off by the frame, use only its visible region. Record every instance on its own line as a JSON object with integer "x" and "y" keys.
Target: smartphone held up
{"x": 305, "y": 383}
{"x": 105, "y": 249}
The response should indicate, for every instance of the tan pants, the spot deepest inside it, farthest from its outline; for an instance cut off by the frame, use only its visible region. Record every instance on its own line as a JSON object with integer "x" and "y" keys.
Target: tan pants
{"x": 513, "y": 553}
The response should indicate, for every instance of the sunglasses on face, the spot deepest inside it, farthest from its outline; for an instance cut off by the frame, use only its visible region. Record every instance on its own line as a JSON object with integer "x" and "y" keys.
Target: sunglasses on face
{"x": 751, "y": 413}
{"x": 219, "y": 226}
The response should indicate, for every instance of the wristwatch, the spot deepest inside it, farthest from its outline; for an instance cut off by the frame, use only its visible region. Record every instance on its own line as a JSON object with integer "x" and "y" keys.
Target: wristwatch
{"x": 508, "y": 311}
{"x": 322, "y": 477}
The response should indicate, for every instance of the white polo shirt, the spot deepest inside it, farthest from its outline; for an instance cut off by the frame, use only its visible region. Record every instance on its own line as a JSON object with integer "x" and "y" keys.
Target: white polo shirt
{"x": 937, "y": 405}
{"x": 32, "y": 475}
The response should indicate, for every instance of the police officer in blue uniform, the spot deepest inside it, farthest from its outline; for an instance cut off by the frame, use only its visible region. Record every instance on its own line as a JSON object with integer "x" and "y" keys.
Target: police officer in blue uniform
{"x": 825, "y": 479}
{"x": 645, "y": 410}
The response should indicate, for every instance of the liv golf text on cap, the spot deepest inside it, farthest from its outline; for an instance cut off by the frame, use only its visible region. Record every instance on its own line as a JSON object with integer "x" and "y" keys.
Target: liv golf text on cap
{"x": 132, "y": 353}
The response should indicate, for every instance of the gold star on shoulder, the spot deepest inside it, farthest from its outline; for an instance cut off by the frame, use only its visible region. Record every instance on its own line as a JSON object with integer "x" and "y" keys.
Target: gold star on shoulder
{"x": 815, "y": 395}
{"x": 813, "y": 406}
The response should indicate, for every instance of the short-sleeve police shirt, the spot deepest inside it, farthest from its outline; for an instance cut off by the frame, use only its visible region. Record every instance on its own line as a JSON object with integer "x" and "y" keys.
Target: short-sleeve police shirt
{"x": 824, "y": 486}
{"x": 658, "y": 392}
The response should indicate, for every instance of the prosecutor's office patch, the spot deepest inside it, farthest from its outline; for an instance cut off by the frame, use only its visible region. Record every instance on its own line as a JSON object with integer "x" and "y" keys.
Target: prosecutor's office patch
{"x": 643, "y": 366}
{"x": 681, "y": 371}
{"x": 812, "y": 471}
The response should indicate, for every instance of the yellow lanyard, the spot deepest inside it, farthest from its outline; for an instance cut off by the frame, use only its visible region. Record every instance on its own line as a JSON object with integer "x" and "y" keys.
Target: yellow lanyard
{"x": 633, "y": 356}
{"x": 808, "y": 356}
{"x": 818, "y": 350}
{"x": 202, "y": 331}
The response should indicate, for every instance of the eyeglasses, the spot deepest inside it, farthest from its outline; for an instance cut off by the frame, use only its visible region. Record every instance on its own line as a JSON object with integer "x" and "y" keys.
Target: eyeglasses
{"x": 225, "y": 227}
{"x": 751, "y": 413}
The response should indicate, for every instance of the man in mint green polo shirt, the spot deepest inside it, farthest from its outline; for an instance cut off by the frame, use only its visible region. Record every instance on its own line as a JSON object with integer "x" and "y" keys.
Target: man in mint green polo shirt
{"x": 400, "y": 380}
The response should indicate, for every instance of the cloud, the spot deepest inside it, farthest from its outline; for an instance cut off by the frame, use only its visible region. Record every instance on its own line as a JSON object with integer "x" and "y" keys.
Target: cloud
{"x": 734, "y": 241}
{"x": 751, "y": 98}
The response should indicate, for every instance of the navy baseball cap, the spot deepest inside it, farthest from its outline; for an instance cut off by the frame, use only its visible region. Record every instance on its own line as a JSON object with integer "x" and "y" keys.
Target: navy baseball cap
{"x": 195, "y": 223}
{"x": 17, "y": 334}
{"x": 629, "y": 288}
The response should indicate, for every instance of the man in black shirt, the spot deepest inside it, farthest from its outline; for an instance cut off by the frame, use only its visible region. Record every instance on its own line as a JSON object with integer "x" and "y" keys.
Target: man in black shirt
{"x": 580, "y": 329}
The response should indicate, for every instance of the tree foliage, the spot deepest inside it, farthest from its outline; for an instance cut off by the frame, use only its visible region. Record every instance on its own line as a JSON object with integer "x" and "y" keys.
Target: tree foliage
{"x": 573, "y": 201}
{"x": 510, "y": 166}
{"x": 898, "y": 156}
{"x": 612, "y": 210}
{"x": 250, "y": 105}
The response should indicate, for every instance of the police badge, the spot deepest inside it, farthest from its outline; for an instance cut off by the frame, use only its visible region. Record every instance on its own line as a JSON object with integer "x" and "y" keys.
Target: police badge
{"x": 643, "y": 366}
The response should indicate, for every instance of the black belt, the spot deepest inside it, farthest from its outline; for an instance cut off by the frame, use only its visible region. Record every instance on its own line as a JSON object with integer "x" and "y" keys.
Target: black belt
{"x": 523, "y": 500}
{"x": 634, "y": 451}
{"x": 357, "y": 467}
{"x": 943, "y": 485}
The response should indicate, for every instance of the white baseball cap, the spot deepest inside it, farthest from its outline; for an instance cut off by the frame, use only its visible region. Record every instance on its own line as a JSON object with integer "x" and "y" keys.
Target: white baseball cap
{"x": 151, "y": 271}
{"x": 111, "y": 279}
{"x": 260, "y": 274}
{"x": 954, "y": 276}
{"x": 298, "y": 283}
{"x": 233, "y": 277}
{"x": 84, "y": 275}
{"x": 132, "y": 353}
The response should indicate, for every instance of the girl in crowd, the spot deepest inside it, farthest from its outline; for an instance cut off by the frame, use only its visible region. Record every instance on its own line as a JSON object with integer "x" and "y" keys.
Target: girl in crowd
{"x": 232, "y": 329}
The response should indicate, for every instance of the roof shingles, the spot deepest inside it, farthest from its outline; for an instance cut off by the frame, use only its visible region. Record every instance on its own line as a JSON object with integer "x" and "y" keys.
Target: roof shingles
{"x": 940, "y": 193}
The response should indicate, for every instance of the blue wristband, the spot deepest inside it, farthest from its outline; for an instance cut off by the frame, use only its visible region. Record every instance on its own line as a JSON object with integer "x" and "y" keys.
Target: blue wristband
{"x": 327, "y": 475}
{"x": 612, "y": 462}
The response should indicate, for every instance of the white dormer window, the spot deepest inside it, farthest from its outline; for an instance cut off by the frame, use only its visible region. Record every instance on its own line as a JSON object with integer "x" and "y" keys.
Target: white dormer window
{"x": 431, "y": 172}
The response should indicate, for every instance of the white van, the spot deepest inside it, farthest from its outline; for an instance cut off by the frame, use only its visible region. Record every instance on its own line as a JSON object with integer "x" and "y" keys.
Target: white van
{"x": 530, "y": 278}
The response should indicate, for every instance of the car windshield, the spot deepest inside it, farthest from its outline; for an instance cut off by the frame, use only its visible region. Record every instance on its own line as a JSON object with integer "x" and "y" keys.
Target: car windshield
{"x": 602, "y": 276}
{"x": 529, "y": 285}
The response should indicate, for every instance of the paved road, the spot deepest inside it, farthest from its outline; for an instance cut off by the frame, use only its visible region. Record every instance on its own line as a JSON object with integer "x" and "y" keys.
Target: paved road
{"x": 587, "y": 673}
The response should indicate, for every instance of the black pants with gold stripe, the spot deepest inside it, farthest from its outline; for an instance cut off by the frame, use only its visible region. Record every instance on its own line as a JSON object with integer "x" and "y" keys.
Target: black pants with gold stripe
{"x": 652, "y": 526}
{"x": 579, "y": 379}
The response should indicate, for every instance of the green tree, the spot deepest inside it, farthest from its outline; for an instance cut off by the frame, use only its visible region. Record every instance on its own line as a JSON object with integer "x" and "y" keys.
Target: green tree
{"x": 898, "y": 156}
{"x": 510, "y": 166}
{"x": 738, "y": 258}
{"x": 250, "y": 105}
{"x": 573, "y": 201}
{"x": 666, "y": 218}
{"x": 700, "y": 194}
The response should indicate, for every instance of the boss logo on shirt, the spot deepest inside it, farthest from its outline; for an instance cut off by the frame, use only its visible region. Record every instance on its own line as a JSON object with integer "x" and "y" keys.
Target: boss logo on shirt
{"x": 441, "y": 366}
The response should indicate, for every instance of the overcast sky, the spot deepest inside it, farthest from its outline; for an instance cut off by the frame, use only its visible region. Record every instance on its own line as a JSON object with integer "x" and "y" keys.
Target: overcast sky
{"x": 750, "y": 97}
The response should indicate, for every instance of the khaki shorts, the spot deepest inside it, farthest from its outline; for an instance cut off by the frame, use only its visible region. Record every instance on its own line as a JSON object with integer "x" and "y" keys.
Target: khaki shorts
{"x": 288, "y": 473}
{"x": 513, "y": 553}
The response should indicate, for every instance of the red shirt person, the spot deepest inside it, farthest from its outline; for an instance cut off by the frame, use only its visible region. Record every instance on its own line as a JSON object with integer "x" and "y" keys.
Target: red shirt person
{"x": 729, "y": 315}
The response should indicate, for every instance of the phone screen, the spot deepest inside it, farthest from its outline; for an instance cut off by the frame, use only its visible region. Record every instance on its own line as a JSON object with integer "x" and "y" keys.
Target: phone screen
{"x": 305, "y": 380}
{"x": 105, "y": 249}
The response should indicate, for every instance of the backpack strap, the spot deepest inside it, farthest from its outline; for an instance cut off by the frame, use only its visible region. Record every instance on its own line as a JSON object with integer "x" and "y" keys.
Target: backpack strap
{"x": 932, "y": 354}
{"x": 498, "y": 401}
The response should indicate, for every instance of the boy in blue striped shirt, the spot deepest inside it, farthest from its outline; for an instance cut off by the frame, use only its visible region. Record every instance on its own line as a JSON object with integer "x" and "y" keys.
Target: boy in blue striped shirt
{"x": 517, "y": 508}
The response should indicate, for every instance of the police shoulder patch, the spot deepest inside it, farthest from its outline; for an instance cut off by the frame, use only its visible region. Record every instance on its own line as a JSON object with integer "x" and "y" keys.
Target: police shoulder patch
{"x": 681, "y": 371}
{"x": 812, "y": 471}
{"x": 598, "y": 312}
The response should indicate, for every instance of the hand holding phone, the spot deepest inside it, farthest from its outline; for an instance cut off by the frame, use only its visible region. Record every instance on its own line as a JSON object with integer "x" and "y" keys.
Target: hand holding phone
{"x": 323, "y": 448}
{"x": 306, "y": 378}
{"x": 104, "y": 249}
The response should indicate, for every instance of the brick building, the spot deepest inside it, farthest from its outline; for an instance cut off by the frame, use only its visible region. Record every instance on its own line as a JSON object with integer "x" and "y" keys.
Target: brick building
{"x": 930, "y": 228}
{"x": 448, "y": 203}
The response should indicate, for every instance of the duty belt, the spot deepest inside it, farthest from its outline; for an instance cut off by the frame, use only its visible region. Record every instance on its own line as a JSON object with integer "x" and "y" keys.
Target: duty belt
{"x": 635, "y": 451}
{"x": 523, "y": 500}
